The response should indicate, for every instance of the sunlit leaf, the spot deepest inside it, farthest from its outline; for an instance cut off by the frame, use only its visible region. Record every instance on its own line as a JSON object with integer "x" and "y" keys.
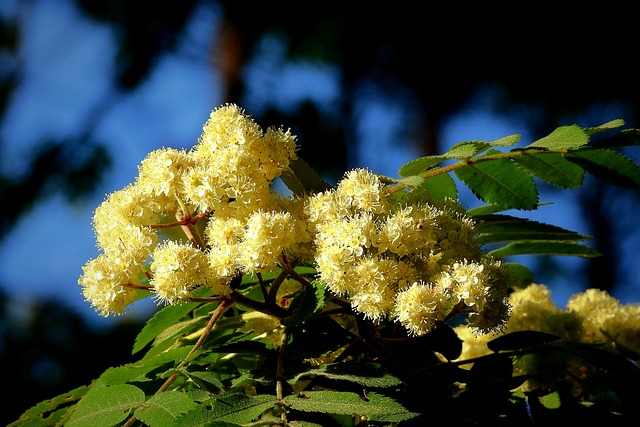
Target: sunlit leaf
{"x": 365, "y": 374}
{"x": 563, "y": 138}
{"x": 421, "y": 164}
{"x": 162, "y": 319}
{"x": 106, "y": 406}
{"x": 240, "y": 408}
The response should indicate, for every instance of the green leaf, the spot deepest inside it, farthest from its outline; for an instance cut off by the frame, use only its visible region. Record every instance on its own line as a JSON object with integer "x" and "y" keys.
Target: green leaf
{"x": 506, "y": 141}
{"x": 562, "y": 138}
{"x": 626, "y": 138}
{"x": 164, "y": 408}
{"x": 162, "y": 319}
{"x": 608, "y": 165}
{"x": 305, "y": 305}
{"x": 421, "y": 164}
{"x": 522, "y": 273}
{"x": 301, "y": 179}
{"x": 553, "y": 169}
{"x": 544, "y": 248}
{"x": 239, "y": 408}
{"x": 466, "y": 150}
{"x": 206, "y": 380}
{"x": 504, "y": 228}
{"x": 137, "y": 371}
{"x": 52, "y": 411}
{"x": 613, "y": 124}
{"x": 106, "y": 406}
{"x": 551, "y": 400}
{"x": 501, "y": 182}
{"x": 364, "y": 374}
{"x": 374, "y": 406}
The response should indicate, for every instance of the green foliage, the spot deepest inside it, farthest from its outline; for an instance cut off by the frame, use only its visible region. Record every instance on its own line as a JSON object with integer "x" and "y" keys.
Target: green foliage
{"x": 252, "y": 359}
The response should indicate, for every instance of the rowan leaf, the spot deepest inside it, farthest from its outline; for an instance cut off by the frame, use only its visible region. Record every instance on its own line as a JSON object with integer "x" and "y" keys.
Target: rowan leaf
{"x": 553, "y": 169}
{"x": 608, "y": 165}
{"x": 563, "y": 138}
{"x": 501, "y": 182}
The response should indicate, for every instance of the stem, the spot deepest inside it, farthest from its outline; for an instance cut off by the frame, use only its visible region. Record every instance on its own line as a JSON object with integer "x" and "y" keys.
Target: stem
{"x": 473, "y": 160}
{"x": 279, "y": 379}
{"x": 275, "y": 285}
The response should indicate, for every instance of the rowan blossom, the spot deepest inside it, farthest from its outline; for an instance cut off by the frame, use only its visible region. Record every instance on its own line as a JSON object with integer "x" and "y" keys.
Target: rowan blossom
{"x": 107, "y": 284}
{"x": 359, "y": 224}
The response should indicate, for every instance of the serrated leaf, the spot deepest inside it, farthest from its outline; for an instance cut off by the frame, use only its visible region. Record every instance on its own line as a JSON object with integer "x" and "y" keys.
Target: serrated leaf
{"x": 612, "y": 124}
{"x": 106, "y": 406}
{"x": 544, "y": 248}
{"x": 551, "y": 400}
{"x": 206, "y": 380}
{"x": 563, "y": 138}
{"x": 466, "y": 150}
{"x": 374, "y": 406}
{"x": 440, "y": 187}
{"x": 162, "y": 319}
{"x": 553, "y": 169}
{"x": 164, "y": 408}
{"x": 364, "y": 374}
{"x": 505, "y": 228}
{"x": 304, "y": 306}
{"x": 52, "y": 411}
{"x": 301, "y": 179}
{"x": 421, "y": 164}
{"x": 500, "y": 182}
{"x": 240, "y": 408}
{"x": 506, "y": 141}
{"x": 608, "y": 165}
{"x": 137, "y": 371}
{"x": 626, "y": 138}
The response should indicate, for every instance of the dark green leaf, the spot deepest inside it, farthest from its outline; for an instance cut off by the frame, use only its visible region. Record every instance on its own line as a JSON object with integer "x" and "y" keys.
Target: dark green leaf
{"x": 501, "y": 182}
{"x": 240, "y": 408}
{"x": 626, "y": 138}
{"x": 51, "y": 412}
{"x": 164, "y": 318}
{"x": 374, "y": 406}
{"x": 206, "y": 380}
{"x": 301, "y": 179}
{"x": 364, "y": 374}
{"x": 305, "y": 305}
{"x": 552, "y": 168}
{"x": 563, "y": 138}
{"x": 608, "y": 165}
{"x": 544, "y": 248}
{"x": 505, "y": 228}
{"x": 522, "y": 273}
{"x": 520, "y": 339}
{"x": 165, "y": 408}
{"x": 613, "y": 124}
{"x": 106, "y": 406}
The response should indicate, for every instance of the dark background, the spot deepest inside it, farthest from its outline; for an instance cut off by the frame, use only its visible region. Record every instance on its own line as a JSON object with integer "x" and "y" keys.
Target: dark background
{"x": 422, "y": 67}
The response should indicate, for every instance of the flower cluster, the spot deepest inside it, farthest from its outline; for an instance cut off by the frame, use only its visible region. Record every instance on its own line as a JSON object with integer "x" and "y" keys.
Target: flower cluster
{"x": 591, "y": 316}
{"x": 412, "y": 262}
{"x": 224, "y": 179}
{"x": 415, "y": 263}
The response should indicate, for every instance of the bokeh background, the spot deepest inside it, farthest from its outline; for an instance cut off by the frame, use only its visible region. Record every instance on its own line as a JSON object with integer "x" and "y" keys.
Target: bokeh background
{"x": 89, "y": 87}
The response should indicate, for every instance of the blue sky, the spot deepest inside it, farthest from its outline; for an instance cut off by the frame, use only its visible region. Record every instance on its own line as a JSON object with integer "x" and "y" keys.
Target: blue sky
{"x": 67, "y": 63}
